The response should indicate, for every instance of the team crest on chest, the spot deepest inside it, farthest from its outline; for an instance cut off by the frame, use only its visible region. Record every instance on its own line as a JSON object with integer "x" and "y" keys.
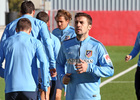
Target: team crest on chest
{"x": 88, "y": 53}
{"x": 67, "y": 37}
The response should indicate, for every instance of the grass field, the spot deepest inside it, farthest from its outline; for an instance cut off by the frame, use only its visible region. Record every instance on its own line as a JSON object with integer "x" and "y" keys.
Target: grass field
{"x": 121, "y": 88}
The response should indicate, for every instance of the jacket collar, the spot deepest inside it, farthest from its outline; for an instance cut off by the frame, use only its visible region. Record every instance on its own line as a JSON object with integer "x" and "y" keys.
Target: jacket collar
{"x": 84, "y": 41}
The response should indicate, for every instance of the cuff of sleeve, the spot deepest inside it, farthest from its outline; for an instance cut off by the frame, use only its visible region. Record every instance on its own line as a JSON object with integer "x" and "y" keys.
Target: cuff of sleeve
{"x": 90, "y": 68}
{"x": 45, "y": 88}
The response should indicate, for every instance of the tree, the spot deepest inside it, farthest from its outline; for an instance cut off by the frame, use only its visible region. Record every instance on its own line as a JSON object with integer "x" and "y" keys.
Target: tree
{"x": 14, "y": 5}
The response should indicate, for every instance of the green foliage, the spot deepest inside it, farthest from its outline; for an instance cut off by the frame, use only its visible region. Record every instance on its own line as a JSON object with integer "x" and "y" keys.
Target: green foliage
{"x": 14, "y": 5}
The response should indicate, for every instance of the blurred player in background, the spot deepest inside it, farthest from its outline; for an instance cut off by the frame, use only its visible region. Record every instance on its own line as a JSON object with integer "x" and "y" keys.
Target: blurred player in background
{"x": 56, "y": 46}
{"x": 20, "y": 52}
{"x": 132, "y": 55}
{"x": 87, "y": 61}
{"x": 63, "y": 32}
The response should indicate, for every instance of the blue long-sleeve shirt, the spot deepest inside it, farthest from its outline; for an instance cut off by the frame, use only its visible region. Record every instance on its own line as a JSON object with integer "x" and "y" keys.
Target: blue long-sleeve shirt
{"x": 84, "y": 86}
{"x": 56, "y": 47}
{"x": 39, "y": 30}
{"x": 65, "y": 34}
{"x": 20, "y": 52}
{"x": 136, "y": 48}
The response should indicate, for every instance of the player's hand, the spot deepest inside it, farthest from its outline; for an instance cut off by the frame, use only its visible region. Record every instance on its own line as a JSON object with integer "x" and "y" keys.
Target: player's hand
{"x": 66, "y": 78}
{"x": 127, "y": 58}
{"x": 53, "y": 72}
{"x": 64, "y": 94}
{"x": 81, "y": 67}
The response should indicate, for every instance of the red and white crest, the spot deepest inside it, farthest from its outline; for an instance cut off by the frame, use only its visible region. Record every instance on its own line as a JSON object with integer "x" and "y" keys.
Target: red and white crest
{"x": 107, "y": 58}
{"x": 67, "y": 37}
{"x": 88, "y": 53}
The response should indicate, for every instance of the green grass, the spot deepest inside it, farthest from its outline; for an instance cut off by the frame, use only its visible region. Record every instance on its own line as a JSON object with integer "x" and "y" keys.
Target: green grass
{"x": 112, "y": 91}
{"x": 2, "y": 86}
{"x": 120, "y": 91}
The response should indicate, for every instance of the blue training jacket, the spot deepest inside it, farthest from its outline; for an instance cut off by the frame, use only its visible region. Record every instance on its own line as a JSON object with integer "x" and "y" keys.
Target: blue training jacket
{"x": 84, "y": 86}
{"x": 65, "y": 34}
{"x": 136, "y": 48}
{"x": 20, "y": 52}
{"x": 39, "y": 30}
{"x": 56, "y": 47}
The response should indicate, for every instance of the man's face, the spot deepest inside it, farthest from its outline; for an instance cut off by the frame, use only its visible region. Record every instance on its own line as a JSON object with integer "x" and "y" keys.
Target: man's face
{"x": 81, "y": 26}
{"x": 62, "y": 23}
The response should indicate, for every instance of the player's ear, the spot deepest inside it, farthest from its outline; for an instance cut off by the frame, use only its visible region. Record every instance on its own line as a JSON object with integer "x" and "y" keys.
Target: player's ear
{"x": 89, "y": 27}
{"x": 33, "y": 12}
{"x": 30, "y": 30}
{"x": 17, "y": 30}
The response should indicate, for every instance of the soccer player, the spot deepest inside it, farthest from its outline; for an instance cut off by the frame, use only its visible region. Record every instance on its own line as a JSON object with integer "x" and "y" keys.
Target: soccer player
{"x": 20, "y": 52}
{"x": 87, "y": 61}
{"x": 132, "y": 55}
{"x": 63, "y": 32}
{"x": 39, "y": 31}
{"x": 56, "y": 46}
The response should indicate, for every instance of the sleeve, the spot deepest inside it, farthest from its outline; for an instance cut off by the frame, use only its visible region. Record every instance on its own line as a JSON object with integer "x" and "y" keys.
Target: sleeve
{"x": 136, "y": 47}
{"x": 60, "y": 64}
{"x": 105, "y": 66}
{"x": 57, "y": 47}
{"x": 47, "y": 41}
{"x": 44, "y": 65}
{"x": 5, "y": 34}
{"x": 1, "y": 61}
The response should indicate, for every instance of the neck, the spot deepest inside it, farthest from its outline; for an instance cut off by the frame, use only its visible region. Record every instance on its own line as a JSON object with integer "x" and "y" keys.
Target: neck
{"x": 82, "y": 37}
{"x": 30, "y": 14}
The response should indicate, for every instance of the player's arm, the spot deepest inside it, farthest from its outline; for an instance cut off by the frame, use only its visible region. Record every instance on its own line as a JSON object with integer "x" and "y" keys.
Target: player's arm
{"x": 136, "y": 47}
{"x": 105, "y": 69}
{"x": 1, "y": 61}
{"x": 5, "y": 34}
{"x": 44, "y": 65}
{"x": 60, "y": 64}
{"x": 47, "y": 41}
{"x": 56, "y": 51}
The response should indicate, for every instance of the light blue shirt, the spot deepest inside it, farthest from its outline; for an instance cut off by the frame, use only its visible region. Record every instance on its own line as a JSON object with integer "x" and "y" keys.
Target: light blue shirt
{"x": 84, "y": 86}
{"x": 65, "y": 34}
{"x": 39, "y": 30}
{"x": 56, "y": 47}
{"x": 136, "y": 48}
{"x": 20, "y": 52}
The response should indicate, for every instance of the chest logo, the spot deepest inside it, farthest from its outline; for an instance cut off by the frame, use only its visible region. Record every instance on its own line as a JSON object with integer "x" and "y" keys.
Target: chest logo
{"x": 88, "y": 53}
{"x": 67, "y": 37}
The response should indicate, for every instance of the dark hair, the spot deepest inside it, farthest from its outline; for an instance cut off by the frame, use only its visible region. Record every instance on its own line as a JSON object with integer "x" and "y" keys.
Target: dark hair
{"x": 43, "y": 16}
{"x": 23, "y": 24}
{"x": 63, "y": 13}
{"x": 84, "y": 15}
{"x": 27, "y": 7}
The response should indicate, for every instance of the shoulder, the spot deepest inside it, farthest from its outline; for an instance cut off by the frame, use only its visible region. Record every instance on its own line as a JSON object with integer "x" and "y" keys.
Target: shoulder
{"x": 40, "y": 22}
{"x": 54, "y": 37}
{"x": 93, "y": 41}
{"x": 69, "y": 41}
{"x": 35, "y": 41}
{"x": 12, "y": 24}
{"x": 71, "y": 29}
{"x": 55, "y": 30}
{"x": 138, "y": 35}
{"x": 97, "y": 43}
